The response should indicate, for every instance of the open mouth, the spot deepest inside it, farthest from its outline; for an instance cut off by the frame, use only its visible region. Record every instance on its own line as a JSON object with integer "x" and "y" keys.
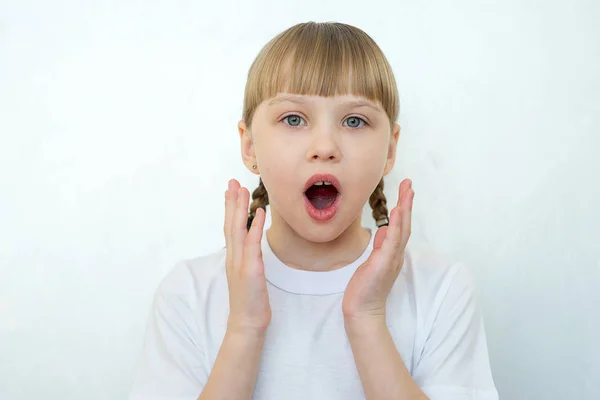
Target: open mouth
{"x": 321, "y": 194}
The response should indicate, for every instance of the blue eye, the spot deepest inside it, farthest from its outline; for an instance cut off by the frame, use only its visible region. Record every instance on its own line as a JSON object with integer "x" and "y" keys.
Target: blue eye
{"x": 294, "y": 117}
{"x": 294, "y": 120}
{"x": 357, "y": 121}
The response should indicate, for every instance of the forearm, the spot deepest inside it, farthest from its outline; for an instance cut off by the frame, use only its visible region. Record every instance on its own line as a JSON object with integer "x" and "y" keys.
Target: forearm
{"x": 382, "y": 372}
{"x": 234, "y": 373}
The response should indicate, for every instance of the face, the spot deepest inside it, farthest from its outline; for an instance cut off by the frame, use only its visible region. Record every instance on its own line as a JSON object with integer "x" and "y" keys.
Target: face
{"x": 294, "y": 137}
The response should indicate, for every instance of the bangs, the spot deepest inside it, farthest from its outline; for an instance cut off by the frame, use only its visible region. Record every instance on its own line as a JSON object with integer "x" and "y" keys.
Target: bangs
{"x": 322, "y": 59}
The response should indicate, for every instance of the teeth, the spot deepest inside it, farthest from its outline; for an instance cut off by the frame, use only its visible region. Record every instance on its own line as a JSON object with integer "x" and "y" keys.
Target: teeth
{"x": 322, "y": 183}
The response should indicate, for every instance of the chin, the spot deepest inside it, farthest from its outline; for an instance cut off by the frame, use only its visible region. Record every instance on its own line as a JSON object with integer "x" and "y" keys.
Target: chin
{"x": 321, "y": 232}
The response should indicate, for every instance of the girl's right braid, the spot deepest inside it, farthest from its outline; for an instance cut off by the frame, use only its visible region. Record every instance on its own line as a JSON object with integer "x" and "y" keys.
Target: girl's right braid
{"x": 260, "y": 199}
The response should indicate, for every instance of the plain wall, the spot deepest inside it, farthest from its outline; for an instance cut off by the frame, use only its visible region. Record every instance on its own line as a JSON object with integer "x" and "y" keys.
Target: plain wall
{"x": 118, "y": 134}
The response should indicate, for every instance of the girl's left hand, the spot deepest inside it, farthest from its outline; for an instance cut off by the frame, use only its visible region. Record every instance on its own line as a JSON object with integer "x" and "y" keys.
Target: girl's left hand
{"x": 366, "y": 294}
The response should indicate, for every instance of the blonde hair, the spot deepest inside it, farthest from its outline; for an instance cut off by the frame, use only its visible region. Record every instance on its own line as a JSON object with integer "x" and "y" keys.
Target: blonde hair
{"x": 322, "y": 59}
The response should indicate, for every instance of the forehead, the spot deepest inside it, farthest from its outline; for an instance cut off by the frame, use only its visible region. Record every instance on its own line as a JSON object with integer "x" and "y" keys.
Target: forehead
{"x": 342, "y": 100}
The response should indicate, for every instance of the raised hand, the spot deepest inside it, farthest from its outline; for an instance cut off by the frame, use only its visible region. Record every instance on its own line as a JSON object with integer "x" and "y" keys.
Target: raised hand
{"x": 249, "y": 308}
{"x": 366, "y": 294}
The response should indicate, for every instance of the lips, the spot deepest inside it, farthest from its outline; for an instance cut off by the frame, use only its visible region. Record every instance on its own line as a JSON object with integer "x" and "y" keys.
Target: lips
{"x": 322, "y": 197}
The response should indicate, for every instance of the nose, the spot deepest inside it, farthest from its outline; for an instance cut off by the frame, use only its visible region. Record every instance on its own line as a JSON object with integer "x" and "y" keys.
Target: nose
{"x": 324, "y": 146}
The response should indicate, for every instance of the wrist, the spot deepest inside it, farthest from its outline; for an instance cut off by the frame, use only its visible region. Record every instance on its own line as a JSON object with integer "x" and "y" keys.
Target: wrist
{"x": 365, "y": 325}
{"x": 240, "y": 334}
{"x": 244, "y": 343}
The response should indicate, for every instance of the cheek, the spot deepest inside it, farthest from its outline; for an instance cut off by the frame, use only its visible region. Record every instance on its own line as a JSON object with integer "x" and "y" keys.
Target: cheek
{"x": 276, "y": 166}
{"x": 276, "y": 161}
{"x": 368, "y": 167}
{"x": 371, "y": 156}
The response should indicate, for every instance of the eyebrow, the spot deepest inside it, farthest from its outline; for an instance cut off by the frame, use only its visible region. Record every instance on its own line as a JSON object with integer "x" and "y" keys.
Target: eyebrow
{"x": 300, "y": 100}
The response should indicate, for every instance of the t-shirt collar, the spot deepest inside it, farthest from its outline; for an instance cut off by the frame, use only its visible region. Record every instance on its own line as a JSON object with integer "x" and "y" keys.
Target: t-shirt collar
{"x": 309, "y": 282}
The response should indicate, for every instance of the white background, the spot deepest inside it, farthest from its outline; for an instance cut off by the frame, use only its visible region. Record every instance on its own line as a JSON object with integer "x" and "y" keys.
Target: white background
{"x": 118, "y": 135}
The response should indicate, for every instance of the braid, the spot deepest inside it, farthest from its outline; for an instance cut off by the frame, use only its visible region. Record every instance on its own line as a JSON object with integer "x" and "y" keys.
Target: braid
{"x": 260, "y": 199}
{"x": 378, "y": 203}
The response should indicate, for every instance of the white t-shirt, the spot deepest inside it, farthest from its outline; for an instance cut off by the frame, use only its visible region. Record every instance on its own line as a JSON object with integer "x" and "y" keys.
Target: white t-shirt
{"x": 431, "y": 314}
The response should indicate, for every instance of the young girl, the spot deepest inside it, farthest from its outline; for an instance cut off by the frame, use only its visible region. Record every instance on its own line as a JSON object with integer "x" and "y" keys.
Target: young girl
{"x": 317, "y": 306}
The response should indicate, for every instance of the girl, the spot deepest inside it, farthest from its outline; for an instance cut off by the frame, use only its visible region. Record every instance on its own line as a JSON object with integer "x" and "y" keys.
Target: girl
{"x": 316, "y": 306}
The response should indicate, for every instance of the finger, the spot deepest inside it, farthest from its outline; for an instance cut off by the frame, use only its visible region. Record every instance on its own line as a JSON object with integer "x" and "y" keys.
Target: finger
{"x": 394, "y": 228}
{"x": 400, "y": 227}
{"x": 252, "y": 245}
{"x": 407, "y": 217}
{"x": 387, "y": 237}
{"x": 405, "y": 204}
{"x": 230, "y": 202}
{"x": 230, "y": 198}
{"x": 392, "y": 245}
{"x": 404, "y": 186}
{"x": 239, "y": 231}
{"x": 380, "y": 237}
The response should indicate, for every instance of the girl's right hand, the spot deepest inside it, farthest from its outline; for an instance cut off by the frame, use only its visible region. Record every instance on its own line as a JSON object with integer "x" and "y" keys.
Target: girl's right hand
{"x": 249, "y": 308}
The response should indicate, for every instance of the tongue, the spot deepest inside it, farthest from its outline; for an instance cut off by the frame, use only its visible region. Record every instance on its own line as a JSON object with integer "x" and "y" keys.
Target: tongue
{"x": 321, "y": 196}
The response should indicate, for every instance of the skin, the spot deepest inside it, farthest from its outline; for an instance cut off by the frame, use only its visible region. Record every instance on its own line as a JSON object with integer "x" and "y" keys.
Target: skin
{"x": 287, "y": 156}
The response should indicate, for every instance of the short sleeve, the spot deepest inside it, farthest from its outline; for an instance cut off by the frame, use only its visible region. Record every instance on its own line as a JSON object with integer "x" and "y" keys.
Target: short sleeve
{"x": 454, "y": 363}
{"x": 172, "y": 364}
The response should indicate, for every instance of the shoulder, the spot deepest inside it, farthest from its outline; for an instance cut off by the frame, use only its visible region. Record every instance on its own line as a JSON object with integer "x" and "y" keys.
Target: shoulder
{"x": 189, "y": 279}
{"x": 449, "y": 338}
{"x": 426, "y": 267}
{"x": 432, "y": 278}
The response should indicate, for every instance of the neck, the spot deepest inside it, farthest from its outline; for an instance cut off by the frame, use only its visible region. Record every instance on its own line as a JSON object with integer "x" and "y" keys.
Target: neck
{"x": 297, "y": 252}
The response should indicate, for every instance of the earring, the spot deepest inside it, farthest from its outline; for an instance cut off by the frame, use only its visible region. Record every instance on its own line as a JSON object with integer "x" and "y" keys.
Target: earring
{"x": 254, "y": 167}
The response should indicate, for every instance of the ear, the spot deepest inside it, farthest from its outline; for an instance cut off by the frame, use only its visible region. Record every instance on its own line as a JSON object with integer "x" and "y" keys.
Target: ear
{"x": 247, "y": 147}
{"x": 391, "y": 157}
